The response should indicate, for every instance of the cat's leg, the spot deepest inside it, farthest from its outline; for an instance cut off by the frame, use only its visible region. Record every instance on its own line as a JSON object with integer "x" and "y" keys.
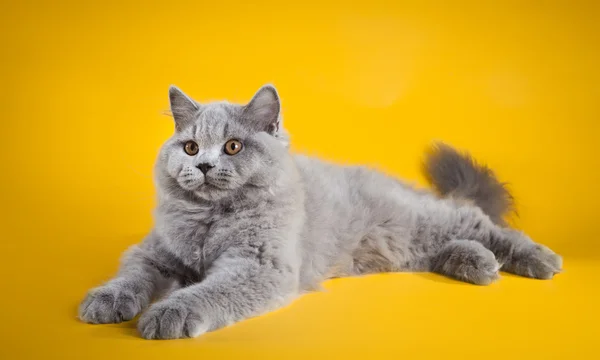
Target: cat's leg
{"x": 514, "y": 250}
{"x": 466, "y": 260}
{"x": 123, "y": 297}
{"x": 519, "y": 255}
{"x": 243, "y": 282}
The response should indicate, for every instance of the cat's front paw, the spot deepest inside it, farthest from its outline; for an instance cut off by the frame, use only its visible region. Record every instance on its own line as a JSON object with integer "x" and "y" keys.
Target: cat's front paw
{"x": 169, "y": 319}
{"x": 535, "y": 261}
{"x": 109, "y": 304}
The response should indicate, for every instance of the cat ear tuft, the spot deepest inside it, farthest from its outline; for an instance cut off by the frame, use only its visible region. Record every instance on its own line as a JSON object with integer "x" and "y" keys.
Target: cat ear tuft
{"x": 263, "y": 112}
{"x": 183, "y": 107}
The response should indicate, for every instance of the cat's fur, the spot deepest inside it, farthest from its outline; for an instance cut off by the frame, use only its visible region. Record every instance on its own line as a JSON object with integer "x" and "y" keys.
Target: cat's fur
{"x": 263, "y": 226}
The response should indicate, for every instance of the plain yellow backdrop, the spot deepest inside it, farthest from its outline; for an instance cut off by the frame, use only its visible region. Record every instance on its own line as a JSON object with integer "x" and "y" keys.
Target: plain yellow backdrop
{"x": 84, "y": 87}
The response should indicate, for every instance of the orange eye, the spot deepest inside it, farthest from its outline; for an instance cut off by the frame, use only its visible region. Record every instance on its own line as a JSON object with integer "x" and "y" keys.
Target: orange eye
{"x": 191, "y": 148}
{"x": 233, "y": 147}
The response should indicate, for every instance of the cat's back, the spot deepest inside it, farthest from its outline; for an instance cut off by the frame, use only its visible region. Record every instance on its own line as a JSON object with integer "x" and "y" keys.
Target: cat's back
{"x": 345, "y": 200}
{"x": 328, "y": 186}
{"x": 318, "y": 175}
{"x": 353, "y": 183}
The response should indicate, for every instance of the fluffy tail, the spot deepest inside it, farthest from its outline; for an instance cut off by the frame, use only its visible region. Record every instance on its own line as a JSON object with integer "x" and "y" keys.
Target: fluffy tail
{"x": 457, "y": 174}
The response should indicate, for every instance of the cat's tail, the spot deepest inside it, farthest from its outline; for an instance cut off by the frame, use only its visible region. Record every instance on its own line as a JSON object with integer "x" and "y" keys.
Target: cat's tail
{"x": 458, "y": 175}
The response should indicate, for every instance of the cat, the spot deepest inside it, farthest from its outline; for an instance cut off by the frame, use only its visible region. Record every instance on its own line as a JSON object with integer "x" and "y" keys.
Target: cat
{"x": 242, "y": 226}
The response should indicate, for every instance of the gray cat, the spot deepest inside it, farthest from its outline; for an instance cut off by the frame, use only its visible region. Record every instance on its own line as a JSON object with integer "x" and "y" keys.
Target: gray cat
{"x": 242, "y": 227}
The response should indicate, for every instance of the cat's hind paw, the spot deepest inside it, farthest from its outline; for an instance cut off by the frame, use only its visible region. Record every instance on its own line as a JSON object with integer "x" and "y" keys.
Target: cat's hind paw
{"x": 534, "y": 261}
{"x": 468, "y": 261}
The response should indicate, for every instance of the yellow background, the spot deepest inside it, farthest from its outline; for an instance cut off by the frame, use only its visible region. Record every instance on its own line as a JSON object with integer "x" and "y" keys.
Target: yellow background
{"x": 83, "y": 89}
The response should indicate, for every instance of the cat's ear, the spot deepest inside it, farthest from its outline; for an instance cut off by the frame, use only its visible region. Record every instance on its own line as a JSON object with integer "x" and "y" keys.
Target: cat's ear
{"x": 183, "y": 107}
{"x": 263, "y": 112}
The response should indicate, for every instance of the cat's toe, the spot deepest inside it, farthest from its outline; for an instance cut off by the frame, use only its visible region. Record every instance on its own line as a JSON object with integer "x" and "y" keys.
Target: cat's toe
{"x": 108, "y": 304}
{"x": 536, "y": 261}
{"x": 467, "y": 261}
{"x": 170, "y": 320}
{"x": 482, "y": 272}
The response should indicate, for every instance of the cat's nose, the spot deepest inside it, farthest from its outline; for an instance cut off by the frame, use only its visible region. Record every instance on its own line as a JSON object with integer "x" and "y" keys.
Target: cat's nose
{"x": 204, "y": 167}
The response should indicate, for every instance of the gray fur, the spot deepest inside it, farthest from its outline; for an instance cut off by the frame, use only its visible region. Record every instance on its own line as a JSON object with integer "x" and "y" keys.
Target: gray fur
{"x": 458, "y": 175}
{"x": 263, "y": 226}
{"x": 466, "y": 260}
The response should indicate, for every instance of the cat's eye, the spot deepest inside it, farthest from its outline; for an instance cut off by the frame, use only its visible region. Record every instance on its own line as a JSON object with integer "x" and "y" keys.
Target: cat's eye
{"x": 190, "y": 148}
{"x": 233, "y": 147}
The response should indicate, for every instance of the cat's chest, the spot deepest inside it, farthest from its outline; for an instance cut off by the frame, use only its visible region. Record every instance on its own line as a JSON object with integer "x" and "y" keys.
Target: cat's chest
{"x": 186, "y": 234}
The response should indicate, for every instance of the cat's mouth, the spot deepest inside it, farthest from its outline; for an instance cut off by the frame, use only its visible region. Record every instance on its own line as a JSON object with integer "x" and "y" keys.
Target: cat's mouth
{"x": 208, "y": 185}
{"x": 210, "y": 191}
{"x": 205, "y": 185}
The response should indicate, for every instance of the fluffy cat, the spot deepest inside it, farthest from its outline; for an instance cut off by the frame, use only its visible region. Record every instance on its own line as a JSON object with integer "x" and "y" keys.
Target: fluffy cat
{"x": 242, "y": 226}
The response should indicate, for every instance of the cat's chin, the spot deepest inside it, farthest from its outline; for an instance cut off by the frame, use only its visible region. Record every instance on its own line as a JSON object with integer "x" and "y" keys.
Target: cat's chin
{"x": 190, "y": 187}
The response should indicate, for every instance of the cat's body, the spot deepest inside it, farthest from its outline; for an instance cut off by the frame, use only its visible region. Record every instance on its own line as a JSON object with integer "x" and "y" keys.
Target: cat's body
{"x": 243, "y": 230}
{"x": 362, "y": 221}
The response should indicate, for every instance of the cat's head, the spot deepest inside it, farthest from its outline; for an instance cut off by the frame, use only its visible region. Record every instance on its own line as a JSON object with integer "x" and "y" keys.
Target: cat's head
{"x": 220, "y": 147}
